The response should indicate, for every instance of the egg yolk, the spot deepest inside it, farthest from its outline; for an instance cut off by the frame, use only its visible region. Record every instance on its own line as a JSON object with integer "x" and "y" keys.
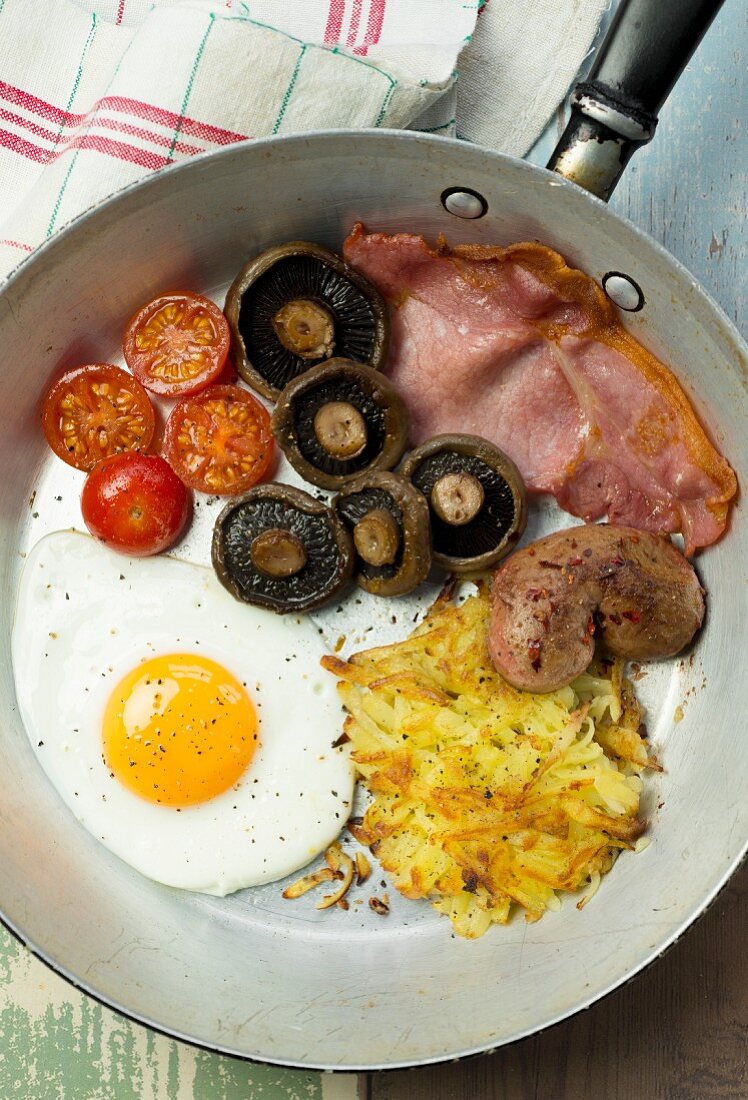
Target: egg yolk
{"x": 179, "y": 729}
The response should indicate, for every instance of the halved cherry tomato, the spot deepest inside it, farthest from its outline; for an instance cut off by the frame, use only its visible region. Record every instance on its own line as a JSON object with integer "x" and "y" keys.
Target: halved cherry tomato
{"x": 95, "y": 411}
{"x": 135, "y": 503}
{"x": 177, "y": 344}
{"x": 219, "y": 441}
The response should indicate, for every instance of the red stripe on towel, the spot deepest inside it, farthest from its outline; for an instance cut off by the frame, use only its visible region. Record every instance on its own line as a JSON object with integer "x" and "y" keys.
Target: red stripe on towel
{"x": 334, "y": 25}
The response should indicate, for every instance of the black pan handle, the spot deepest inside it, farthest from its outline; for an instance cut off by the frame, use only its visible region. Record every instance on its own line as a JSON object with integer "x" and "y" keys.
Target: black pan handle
{"x": 614, "y": 112}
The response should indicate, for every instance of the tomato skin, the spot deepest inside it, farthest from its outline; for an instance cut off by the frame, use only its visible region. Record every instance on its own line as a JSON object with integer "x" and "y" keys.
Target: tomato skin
{"x": 219, "y": 441}
{"x": 177, "y": 344}
{"x": 135, "y": 503}
{"x": 96, "y": 410}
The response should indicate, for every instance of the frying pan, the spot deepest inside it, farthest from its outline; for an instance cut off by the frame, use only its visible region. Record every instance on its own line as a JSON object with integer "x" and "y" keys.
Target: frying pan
{"x": 251, "y": 974}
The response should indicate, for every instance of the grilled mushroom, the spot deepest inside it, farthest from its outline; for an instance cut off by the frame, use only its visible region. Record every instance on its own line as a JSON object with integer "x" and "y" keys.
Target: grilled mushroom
{"x": 476, "y": 497}
{"x": 279, "y": 548}
{"x": 296, "y": 305}
{"x": 338, "y": 420}
{"x": 389, "y": 521}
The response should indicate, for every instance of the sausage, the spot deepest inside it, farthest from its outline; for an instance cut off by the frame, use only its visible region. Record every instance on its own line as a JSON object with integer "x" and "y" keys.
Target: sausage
{"x": 550, "y": 601}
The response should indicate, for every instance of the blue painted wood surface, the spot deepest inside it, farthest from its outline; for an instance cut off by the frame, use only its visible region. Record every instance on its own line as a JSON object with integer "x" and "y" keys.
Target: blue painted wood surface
{"x": 688, "y": 187}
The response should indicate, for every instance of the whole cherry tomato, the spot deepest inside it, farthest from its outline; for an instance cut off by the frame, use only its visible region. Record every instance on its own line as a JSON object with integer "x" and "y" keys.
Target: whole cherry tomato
{"x": 177, "y": 344}
{"x": 219, "y": 441}
{"x": 135, "y": 503}
{"x": 95, "y": 411}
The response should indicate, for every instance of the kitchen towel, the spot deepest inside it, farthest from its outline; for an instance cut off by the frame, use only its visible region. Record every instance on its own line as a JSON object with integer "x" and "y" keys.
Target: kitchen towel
{"x": 96, "y": 93}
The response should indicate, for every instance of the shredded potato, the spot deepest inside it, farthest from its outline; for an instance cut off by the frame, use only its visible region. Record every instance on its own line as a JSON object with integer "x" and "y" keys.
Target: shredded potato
{"x": 484, "y": 796}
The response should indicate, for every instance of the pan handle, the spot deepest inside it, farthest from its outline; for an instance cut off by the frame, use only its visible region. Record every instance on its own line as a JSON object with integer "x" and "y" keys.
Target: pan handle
{"x": 614, "y": 112}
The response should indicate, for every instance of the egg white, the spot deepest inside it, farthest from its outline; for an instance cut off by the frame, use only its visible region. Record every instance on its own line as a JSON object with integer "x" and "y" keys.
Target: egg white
{"x": 85, "y": 616}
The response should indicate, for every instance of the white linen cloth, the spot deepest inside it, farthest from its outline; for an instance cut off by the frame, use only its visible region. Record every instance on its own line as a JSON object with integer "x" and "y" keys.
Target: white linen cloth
{"x": 96, "y": 93}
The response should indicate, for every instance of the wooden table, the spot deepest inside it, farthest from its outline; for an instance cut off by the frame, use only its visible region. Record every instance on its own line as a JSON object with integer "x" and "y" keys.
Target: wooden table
{"x": 678, "y": 1031}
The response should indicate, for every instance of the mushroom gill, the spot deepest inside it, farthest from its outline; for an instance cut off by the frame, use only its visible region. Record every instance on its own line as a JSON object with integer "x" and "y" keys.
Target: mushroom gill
{"x": 279, "y": 548}
{"x": 476, "y": 498}
{"x": 296, "y": 305}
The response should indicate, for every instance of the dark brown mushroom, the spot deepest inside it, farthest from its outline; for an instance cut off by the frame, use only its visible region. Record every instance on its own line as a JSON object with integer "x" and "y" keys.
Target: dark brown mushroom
{"x": 476, "y": 497}
{"x": 389, "y": 521}
{"x": 297, "y": 305}
{"x": 338, "y": 420}
{"x": 278, "y": 547}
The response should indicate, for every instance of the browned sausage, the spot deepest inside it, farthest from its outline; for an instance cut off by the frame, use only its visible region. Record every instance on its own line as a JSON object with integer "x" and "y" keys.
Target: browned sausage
{"x": 551, "y": 600}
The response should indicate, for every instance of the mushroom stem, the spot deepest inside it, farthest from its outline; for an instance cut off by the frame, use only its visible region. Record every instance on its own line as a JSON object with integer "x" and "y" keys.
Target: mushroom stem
{"x": 306, "y": 328}
{"x": 340, "y": 429}
{"x": 377, "y": 537}
{"x": 457, "y": 498}
{"x": 278, "y": 553}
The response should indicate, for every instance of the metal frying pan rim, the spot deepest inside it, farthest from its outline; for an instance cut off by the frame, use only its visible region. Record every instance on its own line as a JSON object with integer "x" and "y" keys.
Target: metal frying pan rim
{"x": 728, "y": 327}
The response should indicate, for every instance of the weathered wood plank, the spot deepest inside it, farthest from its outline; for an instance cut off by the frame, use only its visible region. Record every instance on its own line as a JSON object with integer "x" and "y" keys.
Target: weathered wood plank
{"x": 688, "y": 187}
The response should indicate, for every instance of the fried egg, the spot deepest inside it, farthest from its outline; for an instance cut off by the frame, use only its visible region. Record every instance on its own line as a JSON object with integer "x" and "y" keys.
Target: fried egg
{"x": 190, "y": 734}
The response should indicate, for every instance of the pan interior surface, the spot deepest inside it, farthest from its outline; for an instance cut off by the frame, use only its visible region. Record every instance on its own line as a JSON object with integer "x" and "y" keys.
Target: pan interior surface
{"x": 252, "y": 974}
